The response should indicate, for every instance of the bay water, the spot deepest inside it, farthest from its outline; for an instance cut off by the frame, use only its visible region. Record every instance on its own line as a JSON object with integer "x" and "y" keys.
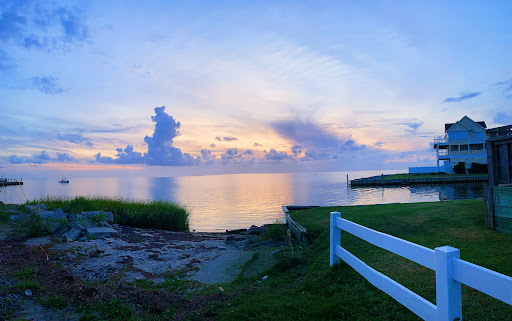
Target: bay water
{"x": 220, "y": 202}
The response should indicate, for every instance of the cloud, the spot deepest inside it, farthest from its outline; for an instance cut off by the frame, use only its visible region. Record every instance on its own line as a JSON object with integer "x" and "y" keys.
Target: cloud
{"x": 306, "y": 133}
{"x": 212, "y": 145}
{"x": 226, "y": 138}
{"x": 73, "y": 26}
{"x": 413, "y": 125}
{"x": 296, "y": 150}
{"x": 502, "y": 118}
{"x": 276, "y": 156}
{"x": 126, "y": 156}
{"x": 41, "y": 158}
{"x": 463, "y": 96}
{"x": 207, "y": 156}
{"x": 47, "y": 85}
{"x": 256, "y": 144}
{"x": 6, "y": 62}
{"x": 74, "y": 138}
{"x": 42, "y": 25}
{"x": 249, "y": 152}
{"x": 160, "y": 149}
{"x": 231, "y": 154}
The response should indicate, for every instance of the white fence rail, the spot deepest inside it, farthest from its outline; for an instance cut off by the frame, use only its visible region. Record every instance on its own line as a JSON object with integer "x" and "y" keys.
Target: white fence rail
{"x": 450, "y": 270}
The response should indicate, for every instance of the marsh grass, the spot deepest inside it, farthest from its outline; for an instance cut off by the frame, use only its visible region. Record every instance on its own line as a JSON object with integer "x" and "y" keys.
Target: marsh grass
{"x": 161, "y": 215}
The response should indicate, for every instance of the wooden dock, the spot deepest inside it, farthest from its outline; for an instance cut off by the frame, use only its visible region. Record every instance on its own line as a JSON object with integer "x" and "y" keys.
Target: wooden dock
{"x": 416, "y": 181}
{"x": 2, "y": 183}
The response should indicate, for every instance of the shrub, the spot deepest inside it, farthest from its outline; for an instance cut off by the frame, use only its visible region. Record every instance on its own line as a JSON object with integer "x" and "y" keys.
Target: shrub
{"x": 477, "y": 168}
{"x": 460, "y": 168}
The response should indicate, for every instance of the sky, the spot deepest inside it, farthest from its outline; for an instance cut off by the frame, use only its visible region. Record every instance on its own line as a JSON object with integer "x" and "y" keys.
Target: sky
{"x": 165, "y": 88}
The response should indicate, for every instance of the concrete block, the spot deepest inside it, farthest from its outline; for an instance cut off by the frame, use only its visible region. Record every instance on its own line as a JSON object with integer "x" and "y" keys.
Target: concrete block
{"x": 46, "y": 214}
{"x": 72, "y": 235}
{"x": 101, "y": 231}
{"x": 59, "y": 214}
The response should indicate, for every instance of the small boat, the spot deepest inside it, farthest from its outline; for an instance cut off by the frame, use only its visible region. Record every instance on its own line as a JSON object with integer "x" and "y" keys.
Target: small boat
{"x": 64, "y": 181}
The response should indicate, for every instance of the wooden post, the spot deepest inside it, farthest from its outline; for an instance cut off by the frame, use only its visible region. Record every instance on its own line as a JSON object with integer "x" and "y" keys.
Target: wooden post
{"x": 448, "y": 293}
{"x": 335, "y": 238}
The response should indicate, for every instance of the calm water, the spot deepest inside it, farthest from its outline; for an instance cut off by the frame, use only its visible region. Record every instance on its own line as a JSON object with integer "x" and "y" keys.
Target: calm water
{"x": 222, "y": 202}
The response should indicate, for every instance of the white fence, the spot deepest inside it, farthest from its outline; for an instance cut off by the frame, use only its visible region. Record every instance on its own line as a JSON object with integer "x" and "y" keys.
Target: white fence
{"x": 450, "y": 270}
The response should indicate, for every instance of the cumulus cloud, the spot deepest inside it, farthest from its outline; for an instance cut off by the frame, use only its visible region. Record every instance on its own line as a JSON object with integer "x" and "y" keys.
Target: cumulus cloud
{"x": 74, "y": 138}
{"x": 46, "y": 85}
{"x": 160, "y": 146}
{"x": 160, "y": 149}
{"x": 296, "y": 150}
{"x": 462, "y": 97}
{"x": 126, "y": 156}
{"x": 212, "y": 145}
{"x": 42, "y": 158}
{"x": 276, "y": 156}
{"x": 256, "y": 144}
{"x": 249, "y": 152}
{"x": 231, "y": 154}
{"x": 226, "y": 138}
{"x": 207, "y": 156}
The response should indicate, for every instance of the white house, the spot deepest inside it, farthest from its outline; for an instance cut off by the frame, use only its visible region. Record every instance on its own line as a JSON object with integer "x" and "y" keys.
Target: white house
{"x": 463, "y": 141}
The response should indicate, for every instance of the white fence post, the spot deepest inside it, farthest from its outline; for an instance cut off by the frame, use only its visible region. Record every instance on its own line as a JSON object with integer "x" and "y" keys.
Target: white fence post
{"x": 335, "y": 238}
{"x": 448, "y": 294}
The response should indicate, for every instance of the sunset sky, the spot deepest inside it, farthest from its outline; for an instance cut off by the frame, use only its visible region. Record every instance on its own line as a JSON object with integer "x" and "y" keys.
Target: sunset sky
{"x": 188, "y": 88}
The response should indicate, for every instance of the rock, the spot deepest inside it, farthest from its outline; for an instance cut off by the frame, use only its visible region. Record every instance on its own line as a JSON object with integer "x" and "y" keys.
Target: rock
{"x": 60, "y": 215}
{"x": 42, "y": 206}
{"x": 28, "y": 293}
{"x": 277, "y": 251}
{"x": 61, "y": 231}
{"x": 20, "y": 217}
{"x": 54, "y": 226}
{"x": 32, "y": 209}
{"x": 266, "y": 243}
{"x": 105, "y": 224}
{"x": 76, "y": 217}
{"x": 253, "y": 238}
{"x": 101, "y": 231}
{"x": 72, "y": 235}
{"x": 236, "y": 231}
{"x": 77, "y": 225}
{"x": 109, "y": 217}
{"x": 46, "y": 214}
{"x": 241, "y": 243}
{"x": 90, "y": 224}
{"x": 254, "y": 230}
{"x": 264, "y": 278}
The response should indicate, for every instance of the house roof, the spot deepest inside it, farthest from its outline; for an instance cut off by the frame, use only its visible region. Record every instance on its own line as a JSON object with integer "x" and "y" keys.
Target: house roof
{"x": 449, "y": 125}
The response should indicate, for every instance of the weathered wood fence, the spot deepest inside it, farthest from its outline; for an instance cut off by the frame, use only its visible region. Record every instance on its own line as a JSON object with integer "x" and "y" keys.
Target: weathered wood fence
{"x": 450, "y": 270}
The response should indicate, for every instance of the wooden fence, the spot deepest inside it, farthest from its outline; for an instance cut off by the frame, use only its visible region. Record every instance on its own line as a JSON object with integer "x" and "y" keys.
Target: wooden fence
{"x": 450, "y": 270}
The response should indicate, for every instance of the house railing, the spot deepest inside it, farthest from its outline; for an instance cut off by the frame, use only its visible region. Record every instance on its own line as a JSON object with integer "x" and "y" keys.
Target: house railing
{"x": 477, "y": 151}
{"x": 440, "y": 140}
{"x": 450, "y": 271}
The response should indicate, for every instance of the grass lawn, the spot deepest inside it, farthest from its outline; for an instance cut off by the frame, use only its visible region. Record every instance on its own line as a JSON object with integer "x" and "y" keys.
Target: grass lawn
{"x": 303, "y": 286}
{"x": 436, "y": 175}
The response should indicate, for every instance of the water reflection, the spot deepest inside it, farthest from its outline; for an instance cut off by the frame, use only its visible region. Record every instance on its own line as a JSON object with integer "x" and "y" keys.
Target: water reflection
{"x": 221, "y": 202}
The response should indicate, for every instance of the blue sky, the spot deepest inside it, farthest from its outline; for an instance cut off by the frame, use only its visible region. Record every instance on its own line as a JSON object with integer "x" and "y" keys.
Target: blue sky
{"x": 247, "y": 87}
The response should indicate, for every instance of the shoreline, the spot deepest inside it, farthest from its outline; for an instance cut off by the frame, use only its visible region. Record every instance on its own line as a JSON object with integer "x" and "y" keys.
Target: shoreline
{"x": 387, "y": 180}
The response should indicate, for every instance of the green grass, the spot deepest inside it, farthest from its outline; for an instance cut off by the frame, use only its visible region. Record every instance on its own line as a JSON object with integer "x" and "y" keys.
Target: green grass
{"x": 55, "y": 302}
{"x": 145, "y": 214}
{"x": 432, "y": 175}
{"x": 303, "y": 287}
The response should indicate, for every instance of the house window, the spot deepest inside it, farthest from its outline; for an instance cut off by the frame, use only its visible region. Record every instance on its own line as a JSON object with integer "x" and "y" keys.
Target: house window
{"x": 454, "y": 148}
